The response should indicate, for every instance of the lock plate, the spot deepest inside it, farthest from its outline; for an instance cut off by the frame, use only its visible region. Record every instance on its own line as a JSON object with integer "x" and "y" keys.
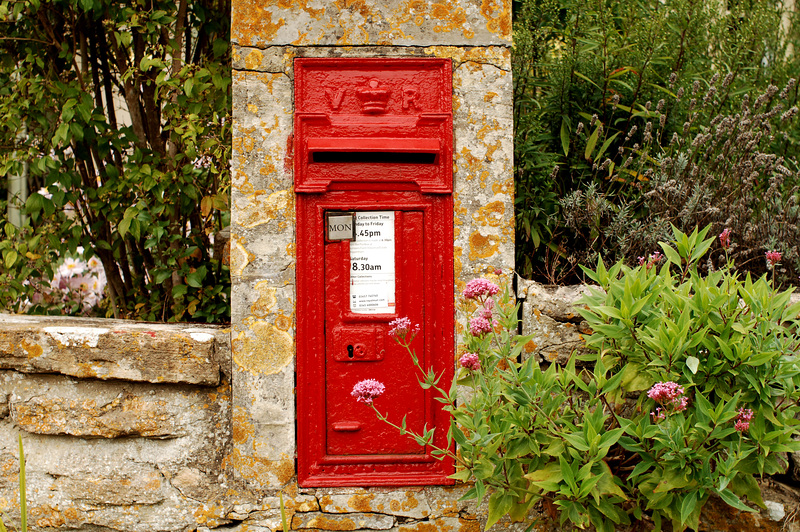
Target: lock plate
{"x": 358, "y": 343}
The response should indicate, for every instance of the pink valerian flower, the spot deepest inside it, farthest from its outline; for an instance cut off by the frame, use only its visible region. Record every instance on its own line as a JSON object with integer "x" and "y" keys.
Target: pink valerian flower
{"x": 486, "y": 309}
{"x": 401, "y": 328}
{"x": 773, "y": 258}
{"x": 670, "y": 396}
{"x": 470, "y": 361}
{"x": 367, "y": 390}
{"x": 725, "y": 238}
{"x": 743, "y": 419}
{"x": 478, "y": 288}
{"x": 652, "y": 260}
{"x": 479, "y": 326}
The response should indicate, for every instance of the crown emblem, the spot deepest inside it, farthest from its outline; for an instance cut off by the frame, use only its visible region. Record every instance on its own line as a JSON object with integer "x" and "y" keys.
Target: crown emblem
{"x": 373, "y": 98}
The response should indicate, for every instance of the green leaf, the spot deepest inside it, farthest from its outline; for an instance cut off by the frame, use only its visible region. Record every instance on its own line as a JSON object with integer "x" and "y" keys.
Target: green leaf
{"x": 195, "y": 279}
{"x": 693, "y": 363}
{"x": 732, "y": 500}
{"x": 11, "y": 258}
{"x": 499, "y": 505}
{"x": 565, "y": 136}
{"x": 688, "y": 505}
{"x": 590, "y": 144}
{"x": 123, "y": 226}
{"x": 671, "y": 253}
{"x": 606, "y": 144}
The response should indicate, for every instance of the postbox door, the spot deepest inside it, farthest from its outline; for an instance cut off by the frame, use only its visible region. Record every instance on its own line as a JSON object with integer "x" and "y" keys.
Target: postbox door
{"x": 369, "y": 283}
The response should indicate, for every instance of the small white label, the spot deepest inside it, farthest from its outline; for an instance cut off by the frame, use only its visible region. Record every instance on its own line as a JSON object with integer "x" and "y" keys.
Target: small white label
{"x": 372, "y": 263}
{"x": 339, "y": 226}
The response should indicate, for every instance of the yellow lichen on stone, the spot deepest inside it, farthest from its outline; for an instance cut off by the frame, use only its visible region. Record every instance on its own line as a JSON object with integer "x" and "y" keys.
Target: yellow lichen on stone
{"x": 481, "y": 247}
{"x": 361, "y": 502}
{"x": 490, "y": 214}
{"x": 503, "y": 187}
{"x": 498, "y": 17}
{"x": 242, "y": 429}
{"x": 266, "y": 299}
{"x": 499, "y": 56}
{"x": 253, "y": 59}
{"x": 263, "y": 349}
{"x": 470, "y": 163}
{"x": 240, "y": 257}
{"x": 260, "y": 210}
{"x": 458, "y": 267}
{"x": 262, "y": 470}
{"x": 252, "y": 21}
{"x": 450, "y": 18}
{"x": 31, "y": 349}
{"x": 325, "y": 523}
{"x": 210, "y": 515}
{"x": 283, "y": 323}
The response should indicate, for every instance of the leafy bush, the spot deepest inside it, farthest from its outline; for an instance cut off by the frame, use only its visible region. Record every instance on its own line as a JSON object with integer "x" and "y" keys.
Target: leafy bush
{"x": 118, "y": 113}
{"x": 607, "y": 64}
{"x": 716, "y": 354}
{"x": 724, "y": 169}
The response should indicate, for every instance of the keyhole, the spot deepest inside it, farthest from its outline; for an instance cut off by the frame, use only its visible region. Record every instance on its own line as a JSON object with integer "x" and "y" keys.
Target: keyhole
{"x": 350, "y": 351}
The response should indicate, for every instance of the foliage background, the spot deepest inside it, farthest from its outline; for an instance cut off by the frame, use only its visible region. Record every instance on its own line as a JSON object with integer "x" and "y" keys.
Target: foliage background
{"x": 119, "y": 113}
{"x": 575, "y": 59}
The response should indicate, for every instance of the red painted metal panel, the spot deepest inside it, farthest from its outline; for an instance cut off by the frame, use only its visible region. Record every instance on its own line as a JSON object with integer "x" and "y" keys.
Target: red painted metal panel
{"x": 399, "y": 101}
{"x": 376, "y": 107}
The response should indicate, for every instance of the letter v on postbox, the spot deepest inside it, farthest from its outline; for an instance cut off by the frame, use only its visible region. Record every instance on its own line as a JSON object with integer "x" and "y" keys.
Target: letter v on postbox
{"x": 373, "y": 142}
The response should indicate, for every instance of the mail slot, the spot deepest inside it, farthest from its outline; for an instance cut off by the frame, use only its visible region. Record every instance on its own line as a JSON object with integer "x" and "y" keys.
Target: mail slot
{"x": 373, "y": 181}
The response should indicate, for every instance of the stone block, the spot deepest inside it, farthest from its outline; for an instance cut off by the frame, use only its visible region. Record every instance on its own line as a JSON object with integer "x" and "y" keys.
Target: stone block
{"x": 109, "y": 349}
{"x": 441, "y": 524}
{"x": 406, "y": 503}
{"x": 549, "y": 314}
{"x": 352, "y": 521}
{"x": 371, "y": 22}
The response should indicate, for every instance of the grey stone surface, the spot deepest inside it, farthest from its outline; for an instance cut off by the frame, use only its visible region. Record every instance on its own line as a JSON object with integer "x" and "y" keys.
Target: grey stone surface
{"x": 550, "y": 315}
{"x": 372, "y": 22}
{"x": 109, "y": 349}
{"x": 351, "y": 521}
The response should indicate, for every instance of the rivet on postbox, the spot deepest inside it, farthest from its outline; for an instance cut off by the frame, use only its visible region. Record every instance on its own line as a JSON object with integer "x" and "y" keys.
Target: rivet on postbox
{"x": 372, "y": 159}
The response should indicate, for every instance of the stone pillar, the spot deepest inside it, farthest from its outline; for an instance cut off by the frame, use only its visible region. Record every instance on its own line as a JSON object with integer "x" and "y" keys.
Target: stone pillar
{"x": 267, "y": 36}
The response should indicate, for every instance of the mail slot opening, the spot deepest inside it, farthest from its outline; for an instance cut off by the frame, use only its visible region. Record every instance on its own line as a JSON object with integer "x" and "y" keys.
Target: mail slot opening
{"x": 388, "y": 157}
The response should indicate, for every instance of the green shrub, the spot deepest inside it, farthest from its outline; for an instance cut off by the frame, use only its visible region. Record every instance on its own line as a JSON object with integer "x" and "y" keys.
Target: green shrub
{"x": 690, "y": 390}
{"x": 118, "y": 114}
{"x": 607, "y": 64}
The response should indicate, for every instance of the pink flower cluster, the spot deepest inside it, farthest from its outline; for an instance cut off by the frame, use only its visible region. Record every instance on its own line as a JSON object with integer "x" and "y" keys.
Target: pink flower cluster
{"x": 725, "y": 238}
{"x": 652, "y": 260}
{"x": 743, "y": 419}
{"x": 470, "y": 361}
{"x": 670, "y": 396}
{"x": 773, "y": 258}
{"x": 478, "y": 288}
{"x": 479, "y": 325}
{"x": 401, "y": 328}
{"x": 76, "y": 284}
{"x": 367, "y": 390}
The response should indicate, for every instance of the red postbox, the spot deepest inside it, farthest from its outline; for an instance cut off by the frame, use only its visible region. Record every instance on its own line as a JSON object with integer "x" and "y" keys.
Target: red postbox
{"x": 373, "y": 177}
